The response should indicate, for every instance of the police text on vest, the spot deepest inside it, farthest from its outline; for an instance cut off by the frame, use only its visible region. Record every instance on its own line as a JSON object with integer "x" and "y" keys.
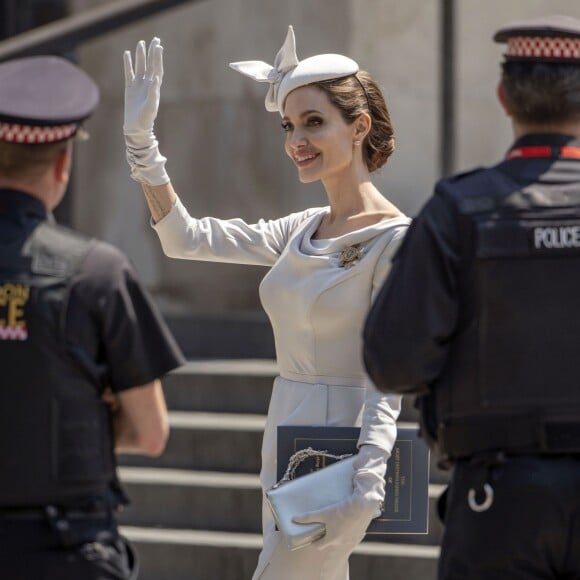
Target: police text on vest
{"x": 557, "y": 237}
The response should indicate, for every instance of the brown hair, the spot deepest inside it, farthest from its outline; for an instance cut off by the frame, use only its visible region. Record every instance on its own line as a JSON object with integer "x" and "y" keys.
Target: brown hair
{"x": 356, "y": 94}
{"x": 542, "y": 93}
{"x": 23, "y": 160}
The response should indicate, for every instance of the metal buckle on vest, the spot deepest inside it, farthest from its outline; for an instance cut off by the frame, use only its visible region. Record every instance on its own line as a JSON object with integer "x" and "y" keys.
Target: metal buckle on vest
{"x": 484, "y": 464}
{"x": 485, "y": 504}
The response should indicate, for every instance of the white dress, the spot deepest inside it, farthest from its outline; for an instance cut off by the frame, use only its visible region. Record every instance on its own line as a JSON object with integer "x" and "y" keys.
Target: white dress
{"x": 317, "y": 308}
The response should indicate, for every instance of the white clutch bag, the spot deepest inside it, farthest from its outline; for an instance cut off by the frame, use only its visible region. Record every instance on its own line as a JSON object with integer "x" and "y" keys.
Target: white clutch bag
{"x": 291, "y": 497}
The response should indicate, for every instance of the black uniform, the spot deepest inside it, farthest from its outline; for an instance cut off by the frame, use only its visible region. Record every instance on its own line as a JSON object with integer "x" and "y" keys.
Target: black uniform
{"x": 59, "y": 523}
{"x": 449, "y": 326}
{"x": 480, "y": 320}
{"x": 74, "y": 321}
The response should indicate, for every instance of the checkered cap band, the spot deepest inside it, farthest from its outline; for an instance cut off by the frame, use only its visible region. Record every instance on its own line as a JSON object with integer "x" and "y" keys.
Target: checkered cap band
{"x": 14, "y": 133}
{"x": 538, "y": 47}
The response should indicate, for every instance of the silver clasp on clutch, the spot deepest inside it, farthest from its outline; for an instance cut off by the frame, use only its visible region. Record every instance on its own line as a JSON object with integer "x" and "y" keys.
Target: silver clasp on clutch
{"x": 301, "y": 455}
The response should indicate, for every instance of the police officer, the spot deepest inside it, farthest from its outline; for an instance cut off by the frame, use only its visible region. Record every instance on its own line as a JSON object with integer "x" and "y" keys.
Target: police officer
{"x": 82, "y": 347}
{"x": 480, "y": 319}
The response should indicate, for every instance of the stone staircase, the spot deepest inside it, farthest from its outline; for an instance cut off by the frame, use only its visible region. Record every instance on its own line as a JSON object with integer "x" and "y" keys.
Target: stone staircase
{"x": 195, "y": 511}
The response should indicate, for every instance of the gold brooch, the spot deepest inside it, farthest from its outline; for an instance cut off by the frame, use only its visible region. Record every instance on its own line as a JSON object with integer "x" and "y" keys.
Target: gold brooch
{"x": 350, "y": 256}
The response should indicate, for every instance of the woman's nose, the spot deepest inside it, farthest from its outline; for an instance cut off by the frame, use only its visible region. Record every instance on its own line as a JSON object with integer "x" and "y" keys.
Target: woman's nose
{"x": 296, "y": 139}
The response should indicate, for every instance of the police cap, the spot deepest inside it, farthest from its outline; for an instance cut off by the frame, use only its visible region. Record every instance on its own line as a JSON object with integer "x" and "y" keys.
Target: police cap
{"x": 553, "y": 38}
{"x": 44, "y": 99}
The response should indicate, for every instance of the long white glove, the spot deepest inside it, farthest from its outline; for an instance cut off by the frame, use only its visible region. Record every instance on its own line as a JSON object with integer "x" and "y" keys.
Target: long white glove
{"x": 346, "y": 521}
{"x": 142, "y": 92}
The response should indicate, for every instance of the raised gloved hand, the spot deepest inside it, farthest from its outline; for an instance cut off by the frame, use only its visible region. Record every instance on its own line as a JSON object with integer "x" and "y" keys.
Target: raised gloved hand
{"x": 142, "y": 91}
{"x": 347, "y": 521}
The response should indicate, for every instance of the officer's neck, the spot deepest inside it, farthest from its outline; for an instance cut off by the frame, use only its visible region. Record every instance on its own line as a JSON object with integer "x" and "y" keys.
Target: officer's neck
{"x": 571, "y": 128}
{"x": 40, "y": 187}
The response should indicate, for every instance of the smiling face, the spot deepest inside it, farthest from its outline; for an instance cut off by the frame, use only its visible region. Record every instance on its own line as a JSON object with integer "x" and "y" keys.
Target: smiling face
{"x": 318, "y": 139}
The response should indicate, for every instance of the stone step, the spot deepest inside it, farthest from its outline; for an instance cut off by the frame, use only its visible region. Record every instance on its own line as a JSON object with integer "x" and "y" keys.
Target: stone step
{"x": 171, "y": 498}
{"x": 204, "y": 555}
{"x": 232, "y": 386}
{"x": 209, "y": 441}
{"x": 227, "y": 442}
{"x": 228, "y": 386}
{"x": 225, "y": 335}
{"x": 195, "y": 511}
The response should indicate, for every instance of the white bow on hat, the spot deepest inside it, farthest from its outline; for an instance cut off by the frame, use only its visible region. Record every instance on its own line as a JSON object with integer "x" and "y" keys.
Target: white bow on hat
{"x": 288, "y": 73}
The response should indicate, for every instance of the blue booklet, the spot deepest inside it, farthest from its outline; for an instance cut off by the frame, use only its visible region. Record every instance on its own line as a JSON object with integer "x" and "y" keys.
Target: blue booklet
{"x": 407, "y": 478}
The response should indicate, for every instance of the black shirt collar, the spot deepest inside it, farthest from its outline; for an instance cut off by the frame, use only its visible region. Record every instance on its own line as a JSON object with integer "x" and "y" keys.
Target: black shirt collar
{"x": 20, "y": 202}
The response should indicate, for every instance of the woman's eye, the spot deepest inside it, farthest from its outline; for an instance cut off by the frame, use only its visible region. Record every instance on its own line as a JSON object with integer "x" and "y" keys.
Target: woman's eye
{"x": 314, "y": 121}
{"x": 286, "y": 127}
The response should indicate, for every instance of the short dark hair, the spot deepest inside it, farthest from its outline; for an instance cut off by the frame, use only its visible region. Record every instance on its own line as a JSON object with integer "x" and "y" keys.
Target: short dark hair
{"x": 542, "y": 93}
{"x": 20, "y": 160}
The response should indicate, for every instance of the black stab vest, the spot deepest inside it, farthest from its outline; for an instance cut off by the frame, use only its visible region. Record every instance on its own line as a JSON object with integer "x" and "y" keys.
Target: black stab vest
{"x": 55, "y": 432}
{"x": 512, "y": 379}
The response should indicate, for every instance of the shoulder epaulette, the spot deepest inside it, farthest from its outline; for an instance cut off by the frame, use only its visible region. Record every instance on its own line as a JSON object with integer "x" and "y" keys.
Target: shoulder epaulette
{"x": 57, "y": 250}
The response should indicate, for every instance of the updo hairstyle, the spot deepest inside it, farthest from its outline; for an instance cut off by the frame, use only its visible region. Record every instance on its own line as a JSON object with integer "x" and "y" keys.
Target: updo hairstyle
{"x": 356, "y": 94}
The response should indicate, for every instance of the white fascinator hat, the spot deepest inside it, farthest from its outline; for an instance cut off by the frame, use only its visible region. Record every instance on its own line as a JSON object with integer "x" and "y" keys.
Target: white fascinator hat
{"x": 288, "y": 73}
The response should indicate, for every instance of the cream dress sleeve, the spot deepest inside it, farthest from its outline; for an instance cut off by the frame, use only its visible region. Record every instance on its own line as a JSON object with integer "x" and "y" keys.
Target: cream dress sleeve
{"x": 231, "y": 241}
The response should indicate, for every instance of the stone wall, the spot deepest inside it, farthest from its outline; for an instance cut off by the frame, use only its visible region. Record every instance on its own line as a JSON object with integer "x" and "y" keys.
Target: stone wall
{"x": 225, "y": 152}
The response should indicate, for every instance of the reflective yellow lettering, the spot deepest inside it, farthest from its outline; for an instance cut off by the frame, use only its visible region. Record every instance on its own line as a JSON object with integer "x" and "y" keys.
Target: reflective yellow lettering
{"x": 15, "y": 312}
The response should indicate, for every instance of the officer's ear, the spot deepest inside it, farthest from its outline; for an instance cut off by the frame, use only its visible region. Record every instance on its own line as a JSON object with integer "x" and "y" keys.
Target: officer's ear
{"x": 63, "y": 163}
{"x": 502, "y": 99}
